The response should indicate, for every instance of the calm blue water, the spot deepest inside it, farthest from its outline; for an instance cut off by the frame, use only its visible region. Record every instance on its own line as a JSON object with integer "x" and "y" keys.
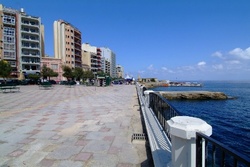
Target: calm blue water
{"x": 230, "y": 119}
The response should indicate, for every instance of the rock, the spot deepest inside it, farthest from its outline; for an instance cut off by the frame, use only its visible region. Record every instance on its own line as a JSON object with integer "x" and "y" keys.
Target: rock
{"x": 193, "y": 95}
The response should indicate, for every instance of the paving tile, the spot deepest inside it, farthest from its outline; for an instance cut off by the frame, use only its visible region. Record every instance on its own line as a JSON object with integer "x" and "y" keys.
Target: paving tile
{"x": 27, "y": 140}
{"x": 81, "y": 142}
{"x": 64, "y": 152}
{"x": 47, "y": 162}
{"x": 70, "y": 163}
{"x": 97, "y": 146}
{"x": 17, "y": 153}
{"x": 83, "y": 156}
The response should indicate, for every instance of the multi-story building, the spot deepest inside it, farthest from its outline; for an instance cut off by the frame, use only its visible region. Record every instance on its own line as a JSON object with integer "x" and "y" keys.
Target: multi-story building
{"x": 119, "y": 71}
{"x": 67, "y": 44}
{"x": 29, "y": 43}
{"x": 110, "y": 61}
{"x": 91, "y": 57}
{"x": 20, "y": 40}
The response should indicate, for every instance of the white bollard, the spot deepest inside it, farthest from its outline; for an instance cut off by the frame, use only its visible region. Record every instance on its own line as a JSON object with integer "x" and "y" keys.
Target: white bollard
{"x": 183, "y": 137}
{"x": 147, "y": 100}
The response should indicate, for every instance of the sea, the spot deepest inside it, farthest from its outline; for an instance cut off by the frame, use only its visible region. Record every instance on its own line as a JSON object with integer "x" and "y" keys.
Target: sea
{"x": 230, "y": 119}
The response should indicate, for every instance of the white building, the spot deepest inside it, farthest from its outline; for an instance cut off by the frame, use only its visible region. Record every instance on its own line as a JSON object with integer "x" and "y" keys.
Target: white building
{"x": 110, "y": 61}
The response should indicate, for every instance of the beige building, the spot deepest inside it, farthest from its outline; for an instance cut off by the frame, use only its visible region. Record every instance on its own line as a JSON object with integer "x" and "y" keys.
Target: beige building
{"x": 119, "y": 71}
{"x": 67, "y": 44}
{"x": 91, "y": 58}
{"x": 55, "y": 64}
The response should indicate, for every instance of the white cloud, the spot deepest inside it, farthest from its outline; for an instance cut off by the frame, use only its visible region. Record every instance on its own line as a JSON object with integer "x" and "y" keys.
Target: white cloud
{"x": 202, "y": 63}
{"x": 233, "y": 62}
{"x": 186, "y": 68}
{"x": 141, "y": 72}
{"x": 240, "y": 53}
{"x": 218, "y": 66}
{"x": 165, "y": 69}
{"x": 151, "y": 67}
{"x": 218, "y": 54}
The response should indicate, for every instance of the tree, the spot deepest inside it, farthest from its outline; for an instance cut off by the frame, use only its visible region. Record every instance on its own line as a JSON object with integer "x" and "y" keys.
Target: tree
{"x": 67, "y": 72}
{"x": 48, "y": 72}
{"x": 88, "y": 75}
{"x": 33, "y": 78}
{"x": 5, "y": 69}
{"x": 78, "y": 73}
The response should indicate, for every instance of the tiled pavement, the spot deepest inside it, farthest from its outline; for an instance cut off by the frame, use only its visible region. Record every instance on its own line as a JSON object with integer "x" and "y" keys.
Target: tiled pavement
{"x": 70, "y": 127}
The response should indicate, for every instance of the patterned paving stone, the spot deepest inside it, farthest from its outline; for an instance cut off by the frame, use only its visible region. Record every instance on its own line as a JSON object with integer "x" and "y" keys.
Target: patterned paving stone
{"x": 80, "y": 126}
{"x": 47, "y": 162}
{"x": 83, "y": 156}
{"x": 64, "y": 152}
{"x": 17, "y": 153}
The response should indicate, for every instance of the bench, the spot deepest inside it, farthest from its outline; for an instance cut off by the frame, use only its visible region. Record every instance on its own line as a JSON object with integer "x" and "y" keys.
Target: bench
{"x": 45, "y": 85}
{"x": 70, "y": 84}
{"x": 9, "y": 87}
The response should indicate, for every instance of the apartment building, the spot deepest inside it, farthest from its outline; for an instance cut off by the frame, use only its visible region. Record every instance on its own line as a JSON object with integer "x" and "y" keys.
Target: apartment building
{"x": 91, "y": 58}
{"x": 110, "y": 61}
{"x": 67, "y": 44}
{"x": 119, "y": 71}
{"x": 20, "y": 40}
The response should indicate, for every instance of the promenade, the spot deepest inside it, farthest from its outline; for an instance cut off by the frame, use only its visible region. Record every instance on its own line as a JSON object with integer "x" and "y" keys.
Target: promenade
{"x": 77, "y": 126}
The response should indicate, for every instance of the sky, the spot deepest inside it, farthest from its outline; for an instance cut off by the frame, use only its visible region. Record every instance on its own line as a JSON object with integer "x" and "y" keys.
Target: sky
{"x": 192, "y": 40}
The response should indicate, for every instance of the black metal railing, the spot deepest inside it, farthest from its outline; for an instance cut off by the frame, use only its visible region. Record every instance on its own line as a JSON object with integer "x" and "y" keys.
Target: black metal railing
{"x": 217, "y": 154}
{"x": 162, "y": 110}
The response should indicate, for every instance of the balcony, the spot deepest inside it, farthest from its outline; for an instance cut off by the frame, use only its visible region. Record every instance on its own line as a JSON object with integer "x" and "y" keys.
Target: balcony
{"x": 30, "y": 47}
{"x": 30, "y": 39}
{"x": 29, "y": 31}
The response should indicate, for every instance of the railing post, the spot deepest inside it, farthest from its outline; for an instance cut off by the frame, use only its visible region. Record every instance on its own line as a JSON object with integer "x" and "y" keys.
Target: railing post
{"x": 147, "y": 98}
{"x": 183, "y": 137}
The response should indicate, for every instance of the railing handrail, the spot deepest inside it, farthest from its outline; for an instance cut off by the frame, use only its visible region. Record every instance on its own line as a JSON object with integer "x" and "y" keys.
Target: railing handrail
{"x": 225, "y": 149}
{"x": 167, "y": 102}
{"x": 238, "y": 157}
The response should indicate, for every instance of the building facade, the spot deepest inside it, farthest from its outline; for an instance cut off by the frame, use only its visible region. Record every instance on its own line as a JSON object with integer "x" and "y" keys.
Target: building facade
{"x": 119, "y": 71}
{"x": 91, "y": 58}
{"x": 20, "y": 41}
{"x": 55, "y": 64}
{"x": 110, "y": 61}
{"x": 67, "y": 44}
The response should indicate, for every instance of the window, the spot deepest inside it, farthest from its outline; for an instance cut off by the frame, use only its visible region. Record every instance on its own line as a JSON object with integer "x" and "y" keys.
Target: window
{"x": 9, "y": 31}
{"x": 54, "y": 66}
{"x": 9, "y": 19}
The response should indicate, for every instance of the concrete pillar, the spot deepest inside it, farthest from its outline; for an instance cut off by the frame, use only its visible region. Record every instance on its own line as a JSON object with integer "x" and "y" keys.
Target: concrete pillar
{"x": 147, "y": 99}
{"x": 183, "y": 137}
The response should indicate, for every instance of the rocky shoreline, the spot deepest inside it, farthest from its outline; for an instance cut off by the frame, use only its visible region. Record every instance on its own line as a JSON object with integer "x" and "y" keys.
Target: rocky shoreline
{"x": 187, "y": 95}
{"x": 193, "y": 95}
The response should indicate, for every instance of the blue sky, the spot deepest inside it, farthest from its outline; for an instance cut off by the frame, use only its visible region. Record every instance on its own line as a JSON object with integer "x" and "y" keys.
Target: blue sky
{"x": 166, "y": 39}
